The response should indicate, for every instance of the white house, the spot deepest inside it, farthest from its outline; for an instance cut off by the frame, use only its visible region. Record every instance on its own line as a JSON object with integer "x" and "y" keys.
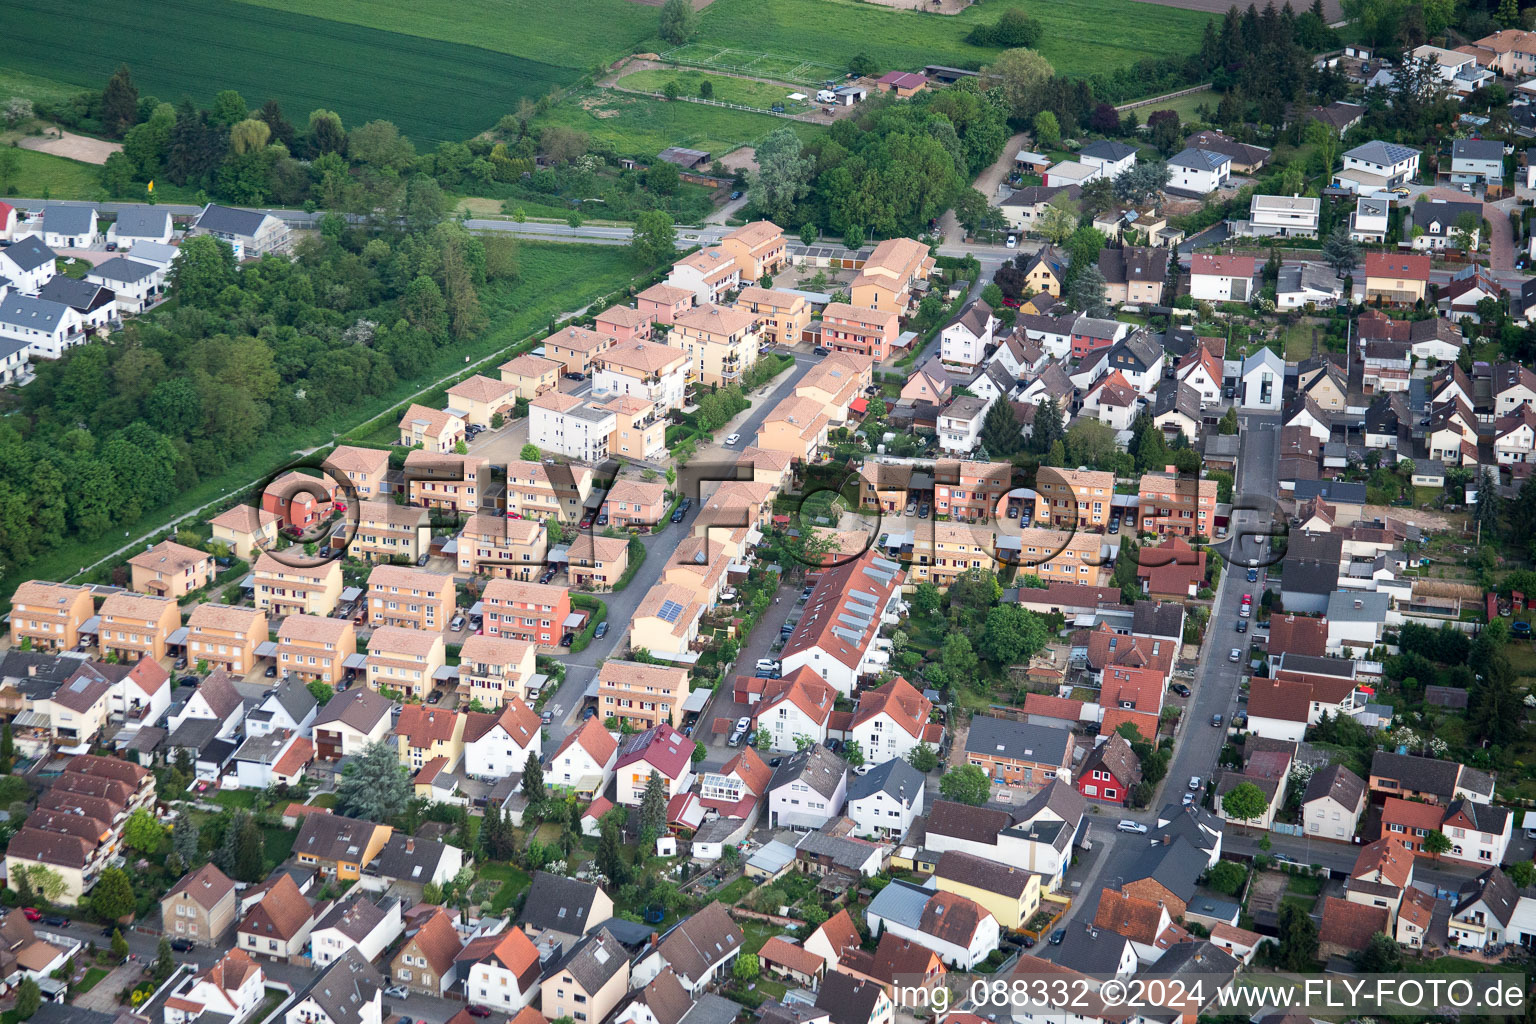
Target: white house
{"x": 565, "y": 425}
{"x": 289, "y": 706}
{"x": 27, "y": 263}
{"x": 215, "y": 700}
{"x": 137, "y": 284}
{"x": 959, "y": 930}
{"x": 136, "y": 224}
{"x": 231, "y": 988}
{"x": 96, "y": 303}
{"x": 884, "y": 801}
{"x": 498, "y": 745}
{"x": 1113, "y": 402}
{"x": 708, "y": 273}
{"x": 807, "y": 790}
{"x": 837, "y": 633}
{"x": 1376, "y": 166}
{"x": 1332, "y": 803}
{"x": 350, "y": 992}
{"x": 1203, "y": 371}
{"x": 1479, "y": 833}
{"x": 48, "y": 329}
{"x": 1221, "y": 278}
{"x": 1478, "y": 161}
{"x": 1370, "y": 219}
{"x": 1201, "y": 171}
{"x": 500, "y": 970}
{"x": 659, "y": 751}
{"x": 273, "y": 757}
{"x": 584, "y": 762}
{"x": 965, "y": 340}
{"x": 250, "y": 233}
{"x": 70, "y": 227}
{"x": 1356, "y": 621}
{"x": 1109, "y": 157}
{"x": 891, "y": 720}
{"x": 1300, "y": 284}
{"x": 1261, "y": 382}
{"x": 1293, "y": 216}
{"x": 356, "y": 924}
{"x": 792, "y": 709}
{"x": 960, "y": 424}
{"x": 1485, "y": 910}
{"x": 15, "y": 367}
{"x": 1070, "y": 172}
{"x": 1515, "y": 437}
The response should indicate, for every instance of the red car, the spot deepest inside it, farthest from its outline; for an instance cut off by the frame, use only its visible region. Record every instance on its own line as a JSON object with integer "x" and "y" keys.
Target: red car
{"x": 478, "y": 1011}
{"x": 32, "y": 914}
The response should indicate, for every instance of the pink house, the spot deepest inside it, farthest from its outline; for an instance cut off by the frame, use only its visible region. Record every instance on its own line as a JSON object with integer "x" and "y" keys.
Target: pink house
{"x": 624, "y": 323}
{"x": 662, "y": 302}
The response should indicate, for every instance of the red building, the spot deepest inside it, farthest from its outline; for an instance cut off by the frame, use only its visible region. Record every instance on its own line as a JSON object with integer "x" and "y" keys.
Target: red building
{"x": 297, "y": 500}
{"x": 1109, "y": 772}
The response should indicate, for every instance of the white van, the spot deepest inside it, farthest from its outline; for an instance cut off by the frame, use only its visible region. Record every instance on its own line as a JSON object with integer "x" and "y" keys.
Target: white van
{"x": 826, "y": 96}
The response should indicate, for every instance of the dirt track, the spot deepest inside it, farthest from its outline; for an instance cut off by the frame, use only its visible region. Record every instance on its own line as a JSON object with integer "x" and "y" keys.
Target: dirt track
{"x": 72, "y": 146}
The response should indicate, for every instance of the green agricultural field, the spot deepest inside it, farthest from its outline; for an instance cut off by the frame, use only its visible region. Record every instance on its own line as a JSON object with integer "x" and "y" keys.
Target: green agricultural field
{"x": 1081, "y": 36}
{"x": 727, "y": 89}
{"x": 433, "y": 90}
{"x": 38, "y": 90}
{"x": 642, "y": 126}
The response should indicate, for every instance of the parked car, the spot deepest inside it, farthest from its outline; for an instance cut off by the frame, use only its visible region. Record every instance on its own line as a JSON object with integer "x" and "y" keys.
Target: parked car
{"x": 602, "y": 519}
{"x": 1013, "y": 242}
{"x": 1114, "y": 525}
{"x": 1058, "y": 936}
{"x": 589, "y": 713}
{"x": 422, "y": 560}
{"x": 271, "y": 672}
{"x": 396, "y": 992}
{"x": 922, "y": 511}
{"x": 1179, "y": 688}
{"x": 546, "y": 717}
{"x": 586, "y": 521}
{"x": 678, "y": 515}
{"x": 731, "y": 440}
{"x": 1127, "y": 825}
{"x": 736, "y": 738}
{"x": 601, "y": 631}
{"x": 743, "y": 723}
{"x": 1234, "y": 655}
{"x": 736, "y": 195}
{"x": 822, "y": 350}
{"x": 476, "y": 1010}
{"x": 179, "y": 945}
{"x": 1013, "y": 512}
{"x": 568, "y": 639}
{"x": 457, "y": 625}
{"x": 575, "y": 376}
{"x": 911, "y": 508}
{"x": 181, "y": 662}
{"x": 32, "y": 914}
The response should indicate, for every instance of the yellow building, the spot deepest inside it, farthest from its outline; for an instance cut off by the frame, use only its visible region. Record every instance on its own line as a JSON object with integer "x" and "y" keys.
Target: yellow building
{"x": 781, "y": 316}
{"x": 244, "y": 529}
{"x": 49, "y": 614}
{"x": 435, "y": 430}
{"x": 135, "y": 626}
{"x": 494, "y": 670}
{"x": 839, "y": 380}
{"x": 721, "y": 343}
{"x": 531, "y": 375}
{"x": 890, "y": 276}
{"x": 537, "y": 491}
{"x": 315, "y": 648}
{"x": 363, "y": 468}
{"x": 479, "y": 400}
{"x": 225, "y": 637}
{"x": 758, "y": 249}
{"x": 639, "y": 428}
{"x": 513, "y": 549}
{"x": 171, "y": 570}
{"x": 404, "y": 660}
{"x": 1046, "y": 271}
{"x": 575, "y": 347}
{"x": 283, "y": 589}
{"x": 452, "y": 482}
{"x": 597, "y": 563}
{"x": 1010, "y": 894}
{"x": 641, "y": 695}
{"x": 386, "y": 532}
{"x": 425, "y": 733}
{"x": 796, "y": 425}
{"x": 667, "y": 621}
{"x": 1073, "y": 497}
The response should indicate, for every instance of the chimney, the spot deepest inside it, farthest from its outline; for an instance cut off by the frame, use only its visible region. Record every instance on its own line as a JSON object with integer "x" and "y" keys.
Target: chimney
{"x": 410, "y": 844}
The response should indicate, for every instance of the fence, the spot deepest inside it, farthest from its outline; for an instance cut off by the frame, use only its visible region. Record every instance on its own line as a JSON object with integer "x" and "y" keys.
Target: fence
{"x": 808, "y": 118}
{"x": 1280, "y": 828}
{"x": 1164, "y": 98}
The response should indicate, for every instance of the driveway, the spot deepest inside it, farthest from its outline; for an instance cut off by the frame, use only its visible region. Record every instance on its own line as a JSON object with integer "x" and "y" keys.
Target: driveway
{"x": 1501, "y": 237}
{"x": 986, "y": 183}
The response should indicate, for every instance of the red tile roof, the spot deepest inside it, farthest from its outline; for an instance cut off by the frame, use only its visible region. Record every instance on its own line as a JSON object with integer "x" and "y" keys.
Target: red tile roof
{"x": 1050, "y": 706}
{"x": 1350, "y": 925}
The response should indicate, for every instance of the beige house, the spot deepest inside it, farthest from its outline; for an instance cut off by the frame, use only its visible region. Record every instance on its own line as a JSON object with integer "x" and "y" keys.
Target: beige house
{"x": 597, "y": 563}
{"x": 537, "y": 491}
{"x": 201, "y": 907}
{"x": 351, "y": 721}
{"x": 797, "y": 425}
{"x": 758, "y": 248}
{"x": 641, "y": 695}
{"x": 135, "y": 626}
{"x": 633, "y": 502}
{"x": 494, "y": 670}
{"x": 453, "y": 482}
{"x": 530, "y": 375}
{"x": 171, "y": 570}
{"x": 639, "y": 428}
{"x": 767, "y": 467}
{"x": 667, "y": 621}
{"x": 77, "y": 710}
{"x": 225, "y": 637}
{"x": 387, "y": 532}
{"x": 839, "y": 380}
{"x": 404, "y": 660}
{"x": 49, "y": 615}
{"x": 363, "y": 468}
{"x": 492, "y": 545}
{"x": 315, "y": 648}
{"x": 701, "y": 564}
{"x": 575, "y": 347}
{"x": 590, "y": 981}
{"x": 425, "y": 734}
{"x": 244, "y": 529}
{"x": 434, "y": 430}
{"x": 410, "y": 598}
{"x": 283, "y": 589}
{"x": 721, "y": 343}
{"x": 781, "y": 316}
{"x": 891, "y": 275}
{"x": 479, "y": 399}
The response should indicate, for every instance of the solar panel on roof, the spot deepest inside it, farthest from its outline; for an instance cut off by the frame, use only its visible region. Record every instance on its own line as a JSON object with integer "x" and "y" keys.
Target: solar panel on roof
{"x": 849, "y": 637}
{"x": 670, "y": 610}
{"x": 883, "y": 577}
{"x": 886, "y": 564}
{"x": 863, "y": 598}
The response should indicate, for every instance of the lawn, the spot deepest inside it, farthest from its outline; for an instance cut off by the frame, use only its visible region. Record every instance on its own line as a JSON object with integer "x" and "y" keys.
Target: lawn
{"x": 92, "y": 976}
{"x": 733, "y": 893}
{"x": 235, "y": 799}
{"x": 513, "y": 882}
{"x": 326, "y": 800}
{"x": 1184, "y": 106}
{"x": 432, "y": 89}
{"x": 556, "y": 279}
{"x": 1296, "y": 340}
{"x": 1079, "y": 38}
{"x": 279, "y": 844}
{"x": 642, "y": 126}
{"x": 63, "y": 179}
{"x": 727, "y": 89}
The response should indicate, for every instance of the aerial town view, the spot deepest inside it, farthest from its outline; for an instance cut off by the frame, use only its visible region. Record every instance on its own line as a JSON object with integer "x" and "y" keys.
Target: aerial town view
{"x": 767, "y": 512}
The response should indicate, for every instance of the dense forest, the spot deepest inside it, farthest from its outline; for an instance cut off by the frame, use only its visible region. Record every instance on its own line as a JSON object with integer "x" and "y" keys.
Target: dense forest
{"x": 239, "y": 354}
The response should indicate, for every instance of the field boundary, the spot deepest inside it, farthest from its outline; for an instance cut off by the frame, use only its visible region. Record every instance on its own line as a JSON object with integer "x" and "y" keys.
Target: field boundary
{"x": 752, "y": 64}
{"x": 1164, "y": 98}
{"x": 807, "y": 118}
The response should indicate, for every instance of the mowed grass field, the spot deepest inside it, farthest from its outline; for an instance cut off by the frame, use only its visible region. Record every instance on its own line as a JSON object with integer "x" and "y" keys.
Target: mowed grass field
{"x": 727, "y": 88}
{"x": 432, "y": 89}
{"x": 642, "y": 126}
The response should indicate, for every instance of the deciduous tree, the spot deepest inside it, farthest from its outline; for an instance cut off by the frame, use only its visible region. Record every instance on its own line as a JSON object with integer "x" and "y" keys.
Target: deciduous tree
{"x": 966, "y": 784}
{"x": 783, "y": 176}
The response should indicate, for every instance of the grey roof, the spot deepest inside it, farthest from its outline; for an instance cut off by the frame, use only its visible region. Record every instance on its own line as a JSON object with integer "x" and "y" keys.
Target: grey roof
{"x": 1157, "y": 619}
{"x": 1486, "y": 817}
{"x": 142, "y": 222}
{"x": 1019, "y": 741}
{"x": 1033, "y": 195}
{"x": 557, "y": 903}
{"x": 974, "y": 318}
{"x": 228, "y": 220}
{"x": 29, "y": 253}
{"x": 1108, "y": 149}
{"x": 1331, "y": 491}
{"x": 1189, "y": 824}
{"x": 355, "y": 917}
{"x": 1477, "y": 149}
{"x": 1176, "y": 396}
{"x": 1474, "y": 781}
{"x": 1383, "y": 153}
{"x": 1057, "y": 797}
{"x": 901, "y": 902}
{"x": 153, "y": 252}
{"x": 1096, "y": 327}
{"x": 1138, "y": 350}
{"x": 1296, "y": 276}
{"x": 1371, "y": 206}
{"x": 34, "y": 314}
{"x": 1312, "y": 664}
{"x": 294, "y": 697}
{"x": 346, "y": 987}
{"x": 816, "y": 766}
{"x": 68, "y": 220}
{"x": 194, "y": 734}
{"x": 1091, "y": 950}
{"x": 1175, "y": 864}
{"x": 896, "y": 777}
{"x": 1194, "y": 958}
{"x": 121, "y": 268}
{"x": 1421, "y": 774}
{"x": 1496, "y": 892}
{"x": 1365, "y": 606}
{"x": 1263, "y": 357}
{"x": 593, "y": 961}
{"x": 1199, "y": 159}
{"x": 843, "y": 851}
{"x": 1445, "y": 214}
{"x": 408, "y": 859}
{"x": 264, "y": 749}
{"x": 1335, "y": 781}
{"x": 83, "y": 296}
{"x": 848, "y": 999}
{"x": 1133, "y": 263}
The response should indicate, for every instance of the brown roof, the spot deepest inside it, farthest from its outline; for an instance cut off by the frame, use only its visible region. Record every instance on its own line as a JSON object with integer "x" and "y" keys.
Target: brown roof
{"x": 898, "y": 699}
{"x": 1297, "y": 634}
{"x": 226, "y": 617}
{"x": 1139, "y": 920}
{"x": 668, "y": 1001}
{"x": 969, "y": 869}
{"x": 313, "y": 629}
{"x": 296, "y": 757}
{"x": 962, "y": 821}
{"x": 714, "y": 319}
{"x": 594, "y": 739}
{"x": 397, "y": 641}
{"x": 438, "y": 941}
{"x": 952, "y": 918}
{"x": 218, "y": 690}
{"x": 247, "y": 517}
{"x": 529, "y": 365}
{"x": 168, "y": 556}
{"x": 81, "y": 691}
{"x": 666, "y": 294}
{"x": 700, "y": 942}
{"x": 1350, "y": 925}
{"x": 1386, "y": 860}
{"x": 750, "y": 767}
{"x": 517, "y": 718}
{"x": 131, "y": 775}
{"x": 787, "y": 954}
{"x": 403, "y": 577}
{"x": 1274, "y": 698}
{"x": 422, "y": 726}
{"x": 481, "y": 388}
{"x": 1116, "y": 757}
{"x": 207, "y": 885}
{"x": 352, "y": 459}
{"x": 359, "y": 708}
{"x": 635, "y": 492}
{"x": 282, "y": 911}
{"x": 136, "y": 607}
{"x": 644, "y": 356}
{"x": 840, "y": 932}
{"x": 50, "y": 848}
{"x": 511, "y": 948}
